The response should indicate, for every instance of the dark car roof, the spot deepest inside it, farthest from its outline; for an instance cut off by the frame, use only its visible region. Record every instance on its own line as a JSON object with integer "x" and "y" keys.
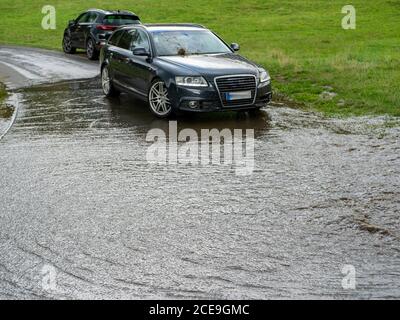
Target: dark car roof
{"x": 109, "y": 12}
{"x": 166, "y": 26}
{"x": 173, "y": 25}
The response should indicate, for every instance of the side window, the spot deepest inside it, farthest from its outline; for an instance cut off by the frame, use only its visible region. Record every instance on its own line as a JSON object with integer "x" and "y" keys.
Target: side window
{"x": 125, "y": 40}
{"x": 83, "y": 18}
{"x": 140, "y": 40}
{"x": 92, "y": 17}
{"x": 114, "y": 38}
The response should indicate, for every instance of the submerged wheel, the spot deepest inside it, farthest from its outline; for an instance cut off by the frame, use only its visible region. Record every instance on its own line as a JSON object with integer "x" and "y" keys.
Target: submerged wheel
{"x": 67, "y": 45}
{"x": 106, "y": 83}
{"x": 91, "y": 51}
{"x": 159, "y": 102}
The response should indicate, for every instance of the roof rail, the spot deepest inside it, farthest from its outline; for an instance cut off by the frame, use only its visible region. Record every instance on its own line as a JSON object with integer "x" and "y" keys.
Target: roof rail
{"x": 112, "y": 11}
{"x": 123, "y": 12}
{"x": 96, "y": 9}
{"x": 175, "y": 25}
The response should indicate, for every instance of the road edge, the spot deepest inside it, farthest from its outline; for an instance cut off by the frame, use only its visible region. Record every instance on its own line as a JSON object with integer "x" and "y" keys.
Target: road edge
{"x": 13, "y": 99}
{"x": 13, "y": 80}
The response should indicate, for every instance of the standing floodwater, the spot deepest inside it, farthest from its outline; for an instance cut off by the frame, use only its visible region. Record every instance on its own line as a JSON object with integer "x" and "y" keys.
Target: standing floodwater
{"x": 84, "y": 215}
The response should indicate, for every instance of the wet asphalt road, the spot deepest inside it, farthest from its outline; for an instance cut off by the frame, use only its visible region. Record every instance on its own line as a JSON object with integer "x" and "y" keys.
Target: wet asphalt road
{"x": 79, "y": 198}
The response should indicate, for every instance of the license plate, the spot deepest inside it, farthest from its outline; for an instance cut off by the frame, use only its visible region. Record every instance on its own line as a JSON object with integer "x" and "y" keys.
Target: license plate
{"x": 241, "y": 95}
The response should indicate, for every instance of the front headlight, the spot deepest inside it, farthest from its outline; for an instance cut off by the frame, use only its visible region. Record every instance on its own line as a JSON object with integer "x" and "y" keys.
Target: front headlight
{"x": 264, "y": 76}
{"x": 191, "y": 81}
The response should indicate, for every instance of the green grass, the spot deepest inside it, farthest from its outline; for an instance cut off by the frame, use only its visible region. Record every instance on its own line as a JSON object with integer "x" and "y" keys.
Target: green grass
{"x": 3, "y": 92}
{"x": 301, "y": 42}
{"x": 5, "y": 111}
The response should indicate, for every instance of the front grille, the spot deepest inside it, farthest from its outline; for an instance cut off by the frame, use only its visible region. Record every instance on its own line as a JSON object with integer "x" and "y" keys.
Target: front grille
{"x": 235, "y": 84}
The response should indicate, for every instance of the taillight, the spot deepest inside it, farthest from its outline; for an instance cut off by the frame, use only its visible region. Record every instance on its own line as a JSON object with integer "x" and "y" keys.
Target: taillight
{"x": 105, "y": 27}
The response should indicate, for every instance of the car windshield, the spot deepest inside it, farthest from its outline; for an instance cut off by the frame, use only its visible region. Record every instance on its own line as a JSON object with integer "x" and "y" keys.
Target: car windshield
{"x": 119, "y": 20}
{"x": 187, "y": 42}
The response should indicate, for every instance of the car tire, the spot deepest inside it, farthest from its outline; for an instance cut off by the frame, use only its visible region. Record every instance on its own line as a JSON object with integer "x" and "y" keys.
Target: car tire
{"x": 67, "y": 44}
{"x": 91, "y": 51}
{"x": 159, "y": 102}
{"x": 107, "y": 84}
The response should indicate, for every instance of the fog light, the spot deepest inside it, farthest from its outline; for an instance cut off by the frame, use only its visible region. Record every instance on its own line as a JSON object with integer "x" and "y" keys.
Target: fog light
{"x": 194, "y": 104}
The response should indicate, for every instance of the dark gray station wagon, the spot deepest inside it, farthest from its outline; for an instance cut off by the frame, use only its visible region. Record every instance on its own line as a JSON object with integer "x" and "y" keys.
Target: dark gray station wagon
{"x": 182, "y": 68}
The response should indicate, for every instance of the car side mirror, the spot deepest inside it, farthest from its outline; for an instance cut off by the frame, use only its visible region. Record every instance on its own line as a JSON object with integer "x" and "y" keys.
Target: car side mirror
{"x": 140, "y": 52}
{"x": 235, "y": 47}
{"x": 71, "y": 22}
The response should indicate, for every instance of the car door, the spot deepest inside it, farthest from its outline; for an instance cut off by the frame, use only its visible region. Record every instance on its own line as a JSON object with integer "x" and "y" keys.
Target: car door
{"x": 120, "y": 55}
{"x": 76, "y": 30}
{"x": 138, "y": 68}
{"x": 110, "y": 51}
{"x": 83, "y": 28}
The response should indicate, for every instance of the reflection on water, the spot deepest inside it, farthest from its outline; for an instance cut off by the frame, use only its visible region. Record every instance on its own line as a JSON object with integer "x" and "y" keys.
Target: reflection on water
{"x": 76, "y": 106}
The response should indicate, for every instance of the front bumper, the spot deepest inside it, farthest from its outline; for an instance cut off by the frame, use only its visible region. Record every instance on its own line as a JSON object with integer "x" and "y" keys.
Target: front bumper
{"x": 208, "y": 99}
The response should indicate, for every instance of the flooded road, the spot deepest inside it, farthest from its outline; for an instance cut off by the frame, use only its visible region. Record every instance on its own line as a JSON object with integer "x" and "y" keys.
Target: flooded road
{"x": 84, "y": 215}
{"x": 25, "y": 67}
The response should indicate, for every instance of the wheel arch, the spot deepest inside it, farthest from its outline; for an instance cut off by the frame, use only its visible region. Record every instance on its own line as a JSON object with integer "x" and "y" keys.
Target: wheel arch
{"x": 90, "y": 34}
{"x": 163, "y": 76}
{"x": 169, "y": 80}
{"x": 103, "y": 64}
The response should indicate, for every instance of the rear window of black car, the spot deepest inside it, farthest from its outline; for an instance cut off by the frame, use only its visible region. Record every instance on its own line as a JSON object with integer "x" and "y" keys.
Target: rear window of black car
{"x": 120, "y": 20}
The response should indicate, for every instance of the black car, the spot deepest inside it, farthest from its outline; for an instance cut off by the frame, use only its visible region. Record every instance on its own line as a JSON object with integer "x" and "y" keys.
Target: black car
{"x": 92, "y": 29}
{"x": 178, "y": 67}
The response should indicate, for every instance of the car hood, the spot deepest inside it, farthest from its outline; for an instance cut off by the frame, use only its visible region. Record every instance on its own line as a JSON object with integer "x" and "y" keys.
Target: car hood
{"x": 213, "y": 65}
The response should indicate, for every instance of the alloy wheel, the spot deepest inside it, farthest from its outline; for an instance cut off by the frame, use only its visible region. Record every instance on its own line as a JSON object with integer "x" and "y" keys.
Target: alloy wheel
{"x": 158, "y": 99}
{"x": 67, "y": 44}
{"x": 105, "y": 81}
{"x": 90, "y": 49}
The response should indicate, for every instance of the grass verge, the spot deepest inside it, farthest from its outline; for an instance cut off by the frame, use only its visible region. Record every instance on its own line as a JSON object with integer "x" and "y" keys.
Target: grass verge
{"x": 5, "y": 110}
{"x": 3, "y": 92}
{"x": 312, "y": 59}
